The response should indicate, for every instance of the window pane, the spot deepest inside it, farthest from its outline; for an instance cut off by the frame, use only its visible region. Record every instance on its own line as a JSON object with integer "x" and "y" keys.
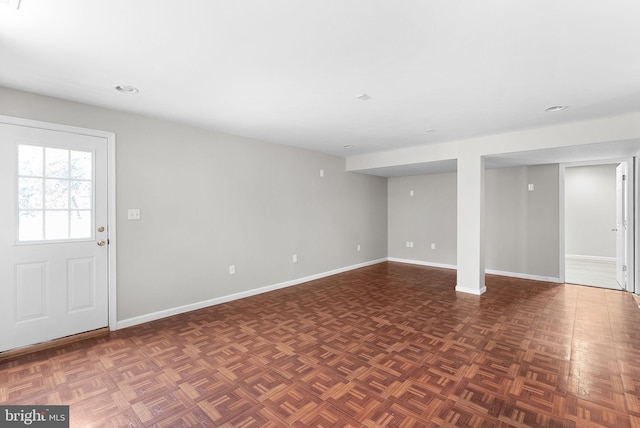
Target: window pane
{"x": 81, "y": 195}
{"x": 30, "y": 160}
{"x": 81, "y": 165}
{"x": 80, "y": 224}
{"x": 29, "y": 193}
{"x": 56, "y": 225}
{"x": 57, "y": 162}
{"x": 56, "y": 194}
{"x": 30, "y": 226}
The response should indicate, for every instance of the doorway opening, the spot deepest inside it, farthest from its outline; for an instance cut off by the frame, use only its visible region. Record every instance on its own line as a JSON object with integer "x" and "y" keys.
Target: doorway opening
{"x": 597, "y": 227}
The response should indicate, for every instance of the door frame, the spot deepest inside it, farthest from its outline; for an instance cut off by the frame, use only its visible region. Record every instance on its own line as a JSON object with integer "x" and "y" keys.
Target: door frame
{"x": 111, "y": 195}
{"x": 631, "y": 215}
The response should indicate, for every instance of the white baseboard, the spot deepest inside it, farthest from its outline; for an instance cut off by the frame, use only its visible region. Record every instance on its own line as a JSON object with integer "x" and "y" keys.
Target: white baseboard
{"x": 579, "y": 257}
{"x": 421, "y": 263}
{"x": 475, "y": 291}
{"x": 129, "y": 322}
{"x": 523, "y": 275}
{"x": 489, "y": 271}
{"x": 459, "y": 288}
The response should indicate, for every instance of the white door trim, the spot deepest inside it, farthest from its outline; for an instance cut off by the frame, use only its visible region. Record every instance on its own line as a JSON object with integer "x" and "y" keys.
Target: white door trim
{"x": 111, "y": 193}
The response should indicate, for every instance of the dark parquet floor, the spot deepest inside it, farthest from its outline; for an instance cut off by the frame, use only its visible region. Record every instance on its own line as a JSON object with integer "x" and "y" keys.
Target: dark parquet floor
{"x": 389, "y": 345}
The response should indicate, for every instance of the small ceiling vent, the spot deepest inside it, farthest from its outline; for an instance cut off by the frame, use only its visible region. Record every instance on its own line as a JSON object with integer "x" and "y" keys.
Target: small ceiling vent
{"x": 555, "y": 108}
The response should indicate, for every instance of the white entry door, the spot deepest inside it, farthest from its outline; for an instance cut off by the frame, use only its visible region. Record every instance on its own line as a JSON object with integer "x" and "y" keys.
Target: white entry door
{"x": 621, "y": 225}
{"x": 53, "y": 238}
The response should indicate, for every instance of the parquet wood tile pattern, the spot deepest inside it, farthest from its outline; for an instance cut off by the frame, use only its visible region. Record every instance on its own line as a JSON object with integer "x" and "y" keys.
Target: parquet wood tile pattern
{"x": 390, "y": 345}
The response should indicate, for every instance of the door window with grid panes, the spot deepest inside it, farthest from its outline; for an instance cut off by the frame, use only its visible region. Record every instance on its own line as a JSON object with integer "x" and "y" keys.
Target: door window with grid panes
{"x": 55, "y": 194}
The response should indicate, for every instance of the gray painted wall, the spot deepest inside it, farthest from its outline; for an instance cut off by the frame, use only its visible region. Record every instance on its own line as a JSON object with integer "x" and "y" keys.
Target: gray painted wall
{"x": 590, "y": 210}
{"x": 209, "y": 200}
{"x": 429, "y": 216}
{"x": 521, "y": 227}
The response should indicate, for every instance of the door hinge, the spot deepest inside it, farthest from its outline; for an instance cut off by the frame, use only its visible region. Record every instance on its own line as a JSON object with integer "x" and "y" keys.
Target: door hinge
{"x": 624, "y": 268}
{"x": 624, "y": 177}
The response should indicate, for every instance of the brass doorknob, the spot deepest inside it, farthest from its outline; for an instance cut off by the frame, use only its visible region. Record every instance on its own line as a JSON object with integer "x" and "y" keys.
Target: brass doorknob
{"x": 101, "y": 243}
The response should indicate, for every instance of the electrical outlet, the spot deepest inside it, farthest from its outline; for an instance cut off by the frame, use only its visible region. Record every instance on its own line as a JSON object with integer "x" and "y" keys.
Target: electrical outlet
{"x": 133, "y": 214}
{"x": 358, "y": 247}
{"x": 410, "y": 192}
{"x": 433, "y": 245}
{"x": 322, "y": 173}
{"x": 294, "y": 258}
{"x": 232, "y": 269}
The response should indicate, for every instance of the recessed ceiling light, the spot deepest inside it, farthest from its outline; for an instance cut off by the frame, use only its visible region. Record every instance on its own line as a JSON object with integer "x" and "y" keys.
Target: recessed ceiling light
{"x": 348, "y": 146}
{"x": 363, "y": 97}
{"x": 555, "y": 108}
{"x": 126, "y": 89}
{"x": 429, "y": 130}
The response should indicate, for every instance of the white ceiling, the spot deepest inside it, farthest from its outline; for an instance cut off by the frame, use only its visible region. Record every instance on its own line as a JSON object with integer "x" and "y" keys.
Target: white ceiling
{"x": 289, "y": 71}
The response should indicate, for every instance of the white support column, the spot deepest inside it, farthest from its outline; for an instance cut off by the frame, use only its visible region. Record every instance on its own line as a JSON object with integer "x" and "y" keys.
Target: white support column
{"x": 471, "y": 225}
